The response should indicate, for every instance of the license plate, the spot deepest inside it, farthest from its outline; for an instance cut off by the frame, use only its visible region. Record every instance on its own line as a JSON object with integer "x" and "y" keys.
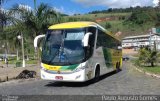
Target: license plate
{"x": 59, "y": 77}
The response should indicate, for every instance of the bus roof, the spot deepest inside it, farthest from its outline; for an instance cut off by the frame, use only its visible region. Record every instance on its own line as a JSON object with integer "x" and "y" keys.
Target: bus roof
{"x": 80, "y": 24}
{"x": 70, "y": 25}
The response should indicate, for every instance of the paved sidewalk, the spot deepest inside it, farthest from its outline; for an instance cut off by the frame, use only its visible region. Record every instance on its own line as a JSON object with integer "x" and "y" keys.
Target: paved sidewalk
{"x": 12, "y": 71}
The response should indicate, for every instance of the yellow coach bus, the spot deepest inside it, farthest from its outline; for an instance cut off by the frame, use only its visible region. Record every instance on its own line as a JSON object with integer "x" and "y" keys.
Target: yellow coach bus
{"x": 78, "y": 51}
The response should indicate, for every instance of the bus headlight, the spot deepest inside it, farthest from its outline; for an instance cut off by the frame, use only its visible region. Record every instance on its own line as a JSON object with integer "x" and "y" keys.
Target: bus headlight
{"x": 79, "y": 69}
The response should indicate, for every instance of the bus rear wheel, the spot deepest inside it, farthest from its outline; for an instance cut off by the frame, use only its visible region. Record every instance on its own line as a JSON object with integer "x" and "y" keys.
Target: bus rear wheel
{"x": 118, "y": 67}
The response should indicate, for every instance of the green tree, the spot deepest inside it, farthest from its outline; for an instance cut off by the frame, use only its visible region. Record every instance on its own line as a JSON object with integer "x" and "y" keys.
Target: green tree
{"x": 108, "y": 25}
{"x": 36, "y": 22}
{"x": 146, "y": 55}
{"x": 5, "y": 20}
{"x": 32, "y": 22}
{"x": 158, "y": 20}
{"x": 141, "y": 17}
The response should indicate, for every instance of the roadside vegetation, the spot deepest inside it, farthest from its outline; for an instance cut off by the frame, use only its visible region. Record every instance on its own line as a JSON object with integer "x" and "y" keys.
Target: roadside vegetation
{"x": 155, "y": 70}
{"x": 31, "y": 61}
{"x": 28, "y": 23}
{"x": 149, "y": 60}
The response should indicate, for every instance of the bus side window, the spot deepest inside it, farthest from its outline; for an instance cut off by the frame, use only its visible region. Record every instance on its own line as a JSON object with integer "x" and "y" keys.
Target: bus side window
{"x": 102, "y": 39}
{"x": 105, "y": 40}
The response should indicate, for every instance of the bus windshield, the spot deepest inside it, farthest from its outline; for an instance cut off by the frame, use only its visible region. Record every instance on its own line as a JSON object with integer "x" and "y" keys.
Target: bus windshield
{"x": 63, "y": 47}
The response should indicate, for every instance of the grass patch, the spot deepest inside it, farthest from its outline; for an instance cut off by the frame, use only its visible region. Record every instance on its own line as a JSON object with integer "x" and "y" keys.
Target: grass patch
{"x": 31, "y": 62}
{"x": 155, "y": 70}
{"x": 136, "y": 55}
{"x": 100, "y": 15}
{"x": 15, "y": 61}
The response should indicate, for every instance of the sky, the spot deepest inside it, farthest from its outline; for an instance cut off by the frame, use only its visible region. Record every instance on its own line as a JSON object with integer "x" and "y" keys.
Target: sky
{"x": 71, "y": 7}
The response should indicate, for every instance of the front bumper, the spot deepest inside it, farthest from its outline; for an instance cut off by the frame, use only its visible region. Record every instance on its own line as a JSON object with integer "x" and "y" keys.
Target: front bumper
{"x": 71, "y": 77}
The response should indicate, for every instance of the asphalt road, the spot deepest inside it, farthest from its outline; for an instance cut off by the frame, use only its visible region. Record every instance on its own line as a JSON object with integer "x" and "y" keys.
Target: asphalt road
{"x": 128, "y": 81}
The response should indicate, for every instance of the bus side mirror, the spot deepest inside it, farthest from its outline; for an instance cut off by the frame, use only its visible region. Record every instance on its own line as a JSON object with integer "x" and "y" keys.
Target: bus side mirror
{"x": 86, "y": 39}
{"x": 119, "y": 47}
{"x": 36, "y": 39}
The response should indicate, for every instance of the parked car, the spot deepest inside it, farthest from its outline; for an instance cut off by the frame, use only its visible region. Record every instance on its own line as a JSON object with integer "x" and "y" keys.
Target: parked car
{"x": 126, "y": 58}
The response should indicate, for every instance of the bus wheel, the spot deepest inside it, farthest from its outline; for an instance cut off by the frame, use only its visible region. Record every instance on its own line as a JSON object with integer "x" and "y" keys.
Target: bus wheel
{"x": 118, "y": 67}
{"x": 97, "y": 74}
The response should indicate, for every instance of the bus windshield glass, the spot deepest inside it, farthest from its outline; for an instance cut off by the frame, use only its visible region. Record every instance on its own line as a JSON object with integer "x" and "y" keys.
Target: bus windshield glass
{"x": 63, "y": 47}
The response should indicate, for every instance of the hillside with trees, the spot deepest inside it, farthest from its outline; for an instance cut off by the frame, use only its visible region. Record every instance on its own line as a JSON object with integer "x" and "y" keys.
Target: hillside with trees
{"x": 129, "y": 21}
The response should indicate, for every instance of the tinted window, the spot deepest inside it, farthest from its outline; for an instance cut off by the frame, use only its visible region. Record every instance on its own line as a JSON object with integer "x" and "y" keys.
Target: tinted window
{"x": 106, "y": 40}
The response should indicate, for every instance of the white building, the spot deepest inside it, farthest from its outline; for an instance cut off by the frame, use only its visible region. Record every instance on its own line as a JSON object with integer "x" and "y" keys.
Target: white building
{"x": 28, "y": 8}
{"x": 141, "y": 41}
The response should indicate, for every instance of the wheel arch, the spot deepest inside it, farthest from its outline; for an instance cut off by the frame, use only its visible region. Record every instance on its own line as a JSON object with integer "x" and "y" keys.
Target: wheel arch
{"x": 96, "y": 66}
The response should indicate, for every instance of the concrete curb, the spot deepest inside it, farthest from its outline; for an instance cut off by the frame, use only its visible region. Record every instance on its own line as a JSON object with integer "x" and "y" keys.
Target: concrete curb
{"x": 16, "y": 81}
{"x": 8, "y": 78}
{"x": 147, "y": 73}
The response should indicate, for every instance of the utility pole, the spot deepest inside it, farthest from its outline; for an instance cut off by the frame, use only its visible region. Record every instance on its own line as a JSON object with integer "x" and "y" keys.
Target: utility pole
{"x": 150, "y": 32}
{"x": 22, "y": 39}
{"x": 23, "y": 50}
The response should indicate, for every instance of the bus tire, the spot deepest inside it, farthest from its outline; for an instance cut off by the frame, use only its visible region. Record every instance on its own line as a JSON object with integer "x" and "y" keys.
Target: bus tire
{"x": 118, "y": 67}
{"x": 97, "y": 74}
